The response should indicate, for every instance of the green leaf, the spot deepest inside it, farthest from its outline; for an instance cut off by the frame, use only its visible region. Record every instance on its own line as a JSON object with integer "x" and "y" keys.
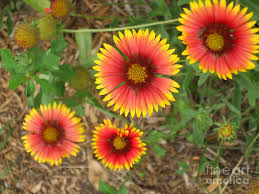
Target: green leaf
{"x": 50, "y": 61}
{"x": 58, "y": 46}
{"x": 182, "y": 2}
{"x": 183, "y": 167}
{"x": 1, "y": 20}
{"x": 231, "y": 107}
{"x": 253, "y": 6}
{"x": 65, "y": 73}
{"x": 244, "y": 80}
{"x": 35, "y": 54}
{"x": 80, "y": 111}
{"x": 38, "y": 4}
{"x": 46, "y": 98}
{"x": 10, "y": 25}
{"x": 202, "y": 123}
{"x": 46, "y": 87}
{"x": 198, "y": 135}
{"x": 155, "y": 136}
{"x": 16, "y": 81}
{"x": 122, "y": 190}
{"x": 203, "y": 78}
{"x": 106, "y": 188}
{"x": 60, "y": 88}
{"x": 8, "y": 61}
{"x": 29, "y": 89}
{"x": 160, "y": 152}
{"x": 188, "y": 78}
{"x": 84, "y": 43}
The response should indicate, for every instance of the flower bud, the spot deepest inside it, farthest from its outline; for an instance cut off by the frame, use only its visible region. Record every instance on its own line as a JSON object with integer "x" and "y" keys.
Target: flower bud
{"x": 61, "y": 8}
{"x": 47, "y": 27}
{"x": 81, "y": 78}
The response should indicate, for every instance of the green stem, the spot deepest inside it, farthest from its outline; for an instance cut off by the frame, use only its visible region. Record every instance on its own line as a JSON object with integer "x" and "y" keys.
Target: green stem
{"x": 120, "y": 28}
{"x": 217, "y": 162}
{"x": 95, "y": 17}
{"x": 136, "y": 167}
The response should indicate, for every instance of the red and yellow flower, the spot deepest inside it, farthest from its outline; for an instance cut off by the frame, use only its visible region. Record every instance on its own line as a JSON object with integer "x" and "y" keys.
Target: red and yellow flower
{"x": 118, "y": 148}
{"x": 220, "y": 37}
{"x": 137, "y": 80}
{"x": 53, "y": 132}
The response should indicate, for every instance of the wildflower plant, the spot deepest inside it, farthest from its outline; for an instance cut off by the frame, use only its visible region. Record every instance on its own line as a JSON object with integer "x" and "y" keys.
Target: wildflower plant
{"x": 146, "y": 65}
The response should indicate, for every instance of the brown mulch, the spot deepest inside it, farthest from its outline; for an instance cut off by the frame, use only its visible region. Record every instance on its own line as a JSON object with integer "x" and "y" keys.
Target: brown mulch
{"x": 81, "y": 174}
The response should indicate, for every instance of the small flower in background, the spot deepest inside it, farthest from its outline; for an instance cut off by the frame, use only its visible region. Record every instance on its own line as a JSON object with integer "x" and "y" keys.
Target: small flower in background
{"x": 81, "y": 78}
{"x": 254, "y": 187}
{"x": 118, "y": 148}
{"x": 53, "y": 133}
{"x": 140, "y": 82}
{"x": 60, "y": 8}
{"x": 227, "y": 133}
{"x": 220, "y": 37}
{"x": 26, "y": 35}
{"x": 47, "y": 27}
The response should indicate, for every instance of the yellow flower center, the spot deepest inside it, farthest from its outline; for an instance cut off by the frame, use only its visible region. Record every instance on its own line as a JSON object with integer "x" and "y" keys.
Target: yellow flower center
{"x": 119, "y": 143}
{"x": 226, "y": 131}
{"x": 137, "y": 73}
{"x": 51, "y": 134}
{"x": 215, "y": 41}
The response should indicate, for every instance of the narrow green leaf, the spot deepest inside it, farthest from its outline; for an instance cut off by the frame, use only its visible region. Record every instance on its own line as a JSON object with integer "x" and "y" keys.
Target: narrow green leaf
{"x": 60, "y": 88}
{"x": 188, "y": 78}
{"x": 231, "y": 107}
{"x": 106, "y": 188}
{"x": 84, "y": 43}
{"x": 3, "y": 174}
{"x": 182, "y": 2}
{"x": 10, "y": 25}
{"x": 38, "y": 4}
{"x": 4, "y": 142}
{"x": 93, "y": 101}
{"x": 1, "y": 20}
{"x": 203, "y": 78}
{"x": 244, "y": 80}
{"x": 29, "y": 89}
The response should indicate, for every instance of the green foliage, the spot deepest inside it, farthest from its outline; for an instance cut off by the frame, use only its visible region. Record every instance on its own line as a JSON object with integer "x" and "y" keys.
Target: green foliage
{"x": 106, "y": 188}
{"x": 182, "y": 167}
